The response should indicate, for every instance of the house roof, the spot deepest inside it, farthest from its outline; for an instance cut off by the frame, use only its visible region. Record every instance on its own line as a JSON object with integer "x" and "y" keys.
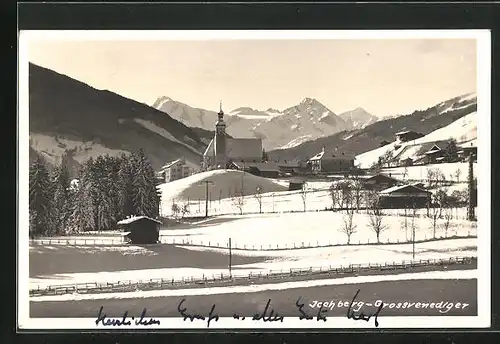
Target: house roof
{"x": 469, "y": 144}
{"x": 402, "y": 187}
{"x": 136, "y": 218}
{"x": 172, "y": 163}
{"x": 332, "y": 156}
{"x": 402, "y": 132}
{"x": 243, "y": 147}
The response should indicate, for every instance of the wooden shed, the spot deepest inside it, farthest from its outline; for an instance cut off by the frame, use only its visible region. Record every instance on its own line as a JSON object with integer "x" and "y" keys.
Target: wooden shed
{"x": 141, "y": 229}
{"x": 404, "y": 196}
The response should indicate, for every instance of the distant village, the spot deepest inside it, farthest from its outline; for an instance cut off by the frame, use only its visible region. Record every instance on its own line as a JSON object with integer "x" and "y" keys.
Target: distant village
{"x": 247, "y": 154}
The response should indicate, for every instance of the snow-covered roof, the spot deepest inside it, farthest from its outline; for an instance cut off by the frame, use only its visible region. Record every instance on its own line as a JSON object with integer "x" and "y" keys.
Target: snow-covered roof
{"x": 318, "y": 156}
{"x": 401, "y": 187}
{"x": 172, "y": 163}
{"x": 402, "y": 133}
{"x": 136, "y": 218}
{"x": 469, "y": 144}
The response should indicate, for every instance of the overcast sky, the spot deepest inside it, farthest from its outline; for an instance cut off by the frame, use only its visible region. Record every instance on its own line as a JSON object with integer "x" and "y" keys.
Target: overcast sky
{"x": 386, "y": 77}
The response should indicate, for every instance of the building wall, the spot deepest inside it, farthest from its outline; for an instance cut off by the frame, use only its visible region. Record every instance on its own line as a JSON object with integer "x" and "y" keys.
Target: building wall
{"x": 333, "y": 165}
{"x": 407, "y": 201}
{"x": 143, "y": 231}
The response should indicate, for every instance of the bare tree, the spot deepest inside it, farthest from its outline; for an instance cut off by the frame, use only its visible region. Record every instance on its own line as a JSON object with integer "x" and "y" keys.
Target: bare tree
{"x": 303, "y": 195}
{"x": 348, "y": 226}
{"x": 357, "y": 188}
{"x": 376, "y": 216}
{"x": 448, "y": 214}
{"x": 344, "y": 198}
{"x": 238, "y": 200}
{"x": 175, "y": 210}
{"x": 435, "y": 177}
{"x": 405, "y": 173}
{"x": 404, "y": 223}
{"x": 258, "y": 197}
{"x": 334, "y": 195}
{"x": 433, "y": 214}
{"x": 184, "y": 209}
{"x": 457, "y": 174}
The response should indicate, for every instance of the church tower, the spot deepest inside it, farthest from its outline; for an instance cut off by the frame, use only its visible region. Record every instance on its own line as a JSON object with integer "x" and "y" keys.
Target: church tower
{"x": 220, "y": 140}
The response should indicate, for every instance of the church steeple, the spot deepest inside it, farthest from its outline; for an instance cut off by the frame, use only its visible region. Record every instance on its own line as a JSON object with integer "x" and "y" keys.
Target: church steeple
{"x": 220, "y": 140}
{"x": 221, "y": 113}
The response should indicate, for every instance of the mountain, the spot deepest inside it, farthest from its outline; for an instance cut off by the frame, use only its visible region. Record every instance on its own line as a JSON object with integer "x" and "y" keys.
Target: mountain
{"x": 358, "y": 141}
{"x": 69, "y": 116}
{"x": 305, "y": 121}
{"x": 358, "y": 118}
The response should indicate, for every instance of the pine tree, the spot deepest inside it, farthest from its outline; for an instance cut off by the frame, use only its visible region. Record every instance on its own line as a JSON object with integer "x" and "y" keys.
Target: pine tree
{"x": 125, "y": 187}
{"x": 40, "y": 200}
{"x": 81, "y": 218}
{"x": 145, "y": 195}
{"x": 62, "y": 198}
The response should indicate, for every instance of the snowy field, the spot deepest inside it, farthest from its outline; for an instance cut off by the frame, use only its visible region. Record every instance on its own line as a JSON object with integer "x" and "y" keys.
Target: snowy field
{"x": 274, "y": 198}
{"x": 308, "y": 229}
{"x": 325, "y": 257}
{"x": 420, "y": 172}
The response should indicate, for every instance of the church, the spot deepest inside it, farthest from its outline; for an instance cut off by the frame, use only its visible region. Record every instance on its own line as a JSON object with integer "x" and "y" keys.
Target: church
{"x": 223, "y": 150}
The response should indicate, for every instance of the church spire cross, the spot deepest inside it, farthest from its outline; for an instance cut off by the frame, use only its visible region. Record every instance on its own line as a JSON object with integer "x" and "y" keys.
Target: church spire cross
{"x": 221, "y": 106}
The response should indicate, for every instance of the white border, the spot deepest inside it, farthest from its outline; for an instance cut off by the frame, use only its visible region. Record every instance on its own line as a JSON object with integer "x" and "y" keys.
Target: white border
{"x": 483, "y": 38}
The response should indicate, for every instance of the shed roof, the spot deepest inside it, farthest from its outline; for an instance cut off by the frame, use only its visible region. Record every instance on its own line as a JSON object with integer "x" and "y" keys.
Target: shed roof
{"x": 136, "y": 218}
{"x": 402, "y": 187}
{"x": 381, "y": 175}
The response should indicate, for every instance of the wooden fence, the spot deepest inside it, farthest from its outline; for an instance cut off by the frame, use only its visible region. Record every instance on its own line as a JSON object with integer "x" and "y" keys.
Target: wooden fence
{"x": 164, "y": 283}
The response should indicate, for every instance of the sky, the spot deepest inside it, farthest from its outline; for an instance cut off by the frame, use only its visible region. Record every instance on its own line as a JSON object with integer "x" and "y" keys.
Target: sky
{"x": 385, "y": 77}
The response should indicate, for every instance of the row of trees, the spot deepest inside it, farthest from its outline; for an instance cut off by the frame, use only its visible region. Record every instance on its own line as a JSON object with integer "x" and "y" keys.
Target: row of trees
{"x": 107, "y": 190}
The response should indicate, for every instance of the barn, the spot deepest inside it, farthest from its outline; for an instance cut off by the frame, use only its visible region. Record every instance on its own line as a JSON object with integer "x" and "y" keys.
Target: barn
{"x": 141, "y": 229}
{"x": 404, "y": 196}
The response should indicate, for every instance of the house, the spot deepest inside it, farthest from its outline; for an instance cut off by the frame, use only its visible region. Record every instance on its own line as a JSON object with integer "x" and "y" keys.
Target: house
{"x": 466, "y": 149}
{"x": 141, "y": 229}
{"x": 261, "y": 169}
{"x": 404, "y": 196}
{"x": 380, "y": 182}
{"x": 177, "y": 169}
{"x": 324, "y": 162}
{"x": 223, "y": 150}
{"x": 295, "y": 184}
{"x": 292, "y": 167}
{"x": 407, "y": 162}
{"x": 408, "y": 135}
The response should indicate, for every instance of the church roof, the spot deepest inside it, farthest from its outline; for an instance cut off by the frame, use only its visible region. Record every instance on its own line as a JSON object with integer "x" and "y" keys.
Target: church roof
{"x": 210, "y": 149}
{"x": 243, "y": 148}
{"x": 238, "y": 148}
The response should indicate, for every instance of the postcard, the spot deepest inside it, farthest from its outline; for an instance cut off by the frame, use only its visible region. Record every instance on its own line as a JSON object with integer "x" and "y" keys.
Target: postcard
{"x": 254, "y": 179}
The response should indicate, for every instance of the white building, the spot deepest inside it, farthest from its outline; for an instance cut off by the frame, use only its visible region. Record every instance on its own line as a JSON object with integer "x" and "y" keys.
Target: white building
{"x": 177, "y": 169}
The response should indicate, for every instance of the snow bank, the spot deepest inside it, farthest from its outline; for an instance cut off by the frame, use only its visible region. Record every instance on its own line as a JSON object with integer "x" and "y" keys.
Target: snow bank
{"x": 225, "y": 183}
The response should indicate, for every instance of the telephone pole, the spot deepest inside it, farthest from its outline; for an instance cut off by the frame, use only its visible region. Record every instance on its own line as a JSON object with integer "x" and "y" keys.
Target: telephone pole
{"x": 470, "y": 207}
{"x": 230, "y": 258}
{"x": 206, "y": 182}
